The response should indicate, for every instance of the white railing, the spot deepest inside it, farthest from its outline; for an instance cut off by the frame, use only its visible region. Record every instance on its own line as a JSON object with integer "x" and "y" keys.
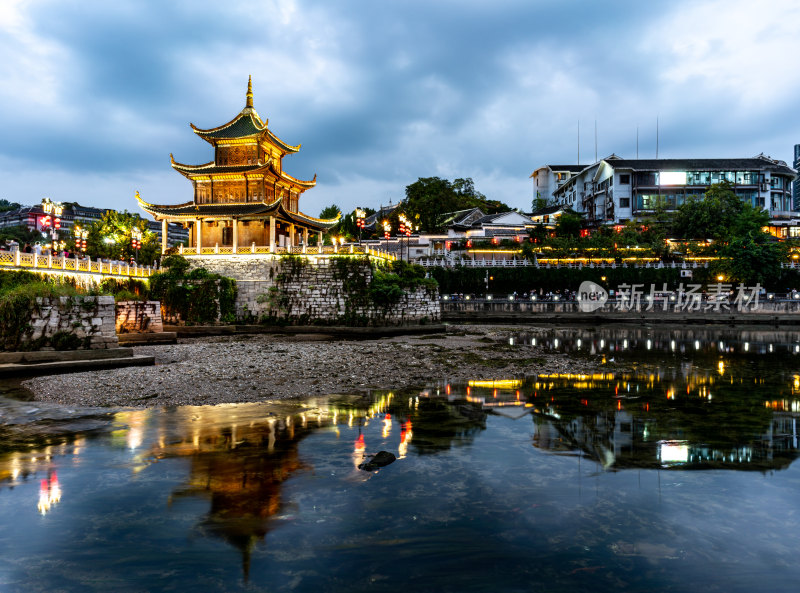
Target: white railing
{"x": 524, "y": 263}
{"x": 17, "y": 260}
{"x": 346, "y": 249}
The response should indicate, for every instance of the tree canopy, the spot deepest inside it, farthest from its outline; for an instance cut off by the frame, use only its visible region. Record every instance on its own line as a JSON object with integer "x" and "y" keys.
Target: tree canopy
{"x": 719, "y": 215}
{"x": 20, "y": 234}
{"x": 111, "y": 237}
{"x": 569, "y": 224}
{"x": 428, "y": 198}
{"x": 331, "y": 211}
{"x": 6, "y": 206}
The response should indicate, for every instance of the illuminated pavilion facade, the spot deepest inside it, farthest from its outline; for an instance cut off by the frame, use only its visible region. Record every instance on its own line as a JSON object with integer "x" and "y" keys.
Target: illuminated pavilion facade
{"x": 244, "y": 202}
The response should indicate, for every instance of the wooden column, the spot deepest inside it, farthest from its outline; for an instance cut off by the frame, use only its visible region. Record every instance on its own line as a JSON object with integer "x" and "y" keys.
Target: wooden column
{"x": 235, "y": 235}
{"x": 164, "y": 225}
{"x": 319, "y": 242}
{"x": 291, "y": 237}
{"x": 305, "y": 240}
{"x": 198, "y": 235}
{"x": 272, "y": 234}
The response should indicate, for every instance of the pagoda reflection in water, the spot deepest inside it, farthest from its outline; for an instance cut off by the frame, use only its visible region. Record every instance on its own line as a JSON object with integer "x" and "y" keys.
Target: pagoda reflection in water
{"x": 240, "y": 457}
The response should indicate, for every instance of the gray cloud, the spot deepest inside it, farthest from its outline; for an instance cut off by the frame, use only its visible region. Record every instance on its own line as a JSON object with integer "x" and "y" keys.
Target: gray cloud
{"x": 379, "y": 93}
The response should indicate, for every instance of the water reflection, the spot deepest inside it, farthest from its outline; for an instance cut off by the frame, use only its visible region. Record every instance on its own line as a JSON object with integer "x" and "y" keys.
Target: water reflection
{"x": 687, "y": 341}
{"x": 659, "y": 418}
{"x": 566, "y": 468}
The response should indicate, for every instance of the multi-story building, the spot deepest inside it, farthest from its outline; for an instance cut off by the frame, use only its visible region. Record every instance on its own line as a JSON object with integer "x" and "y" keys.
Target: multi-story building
{"x": 75, "y": 214}
{"x": 796, "y": 184}
{"x": 244, "y": 197}
{"x": 615, "y": 190}
{"x": 547, "y": 179}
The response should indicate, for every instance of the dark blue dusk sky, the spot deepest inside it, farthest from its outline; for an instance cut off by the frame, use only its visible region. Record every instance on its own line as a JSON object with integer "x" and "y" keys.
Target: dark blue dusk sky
{"x": 96, "y": 94}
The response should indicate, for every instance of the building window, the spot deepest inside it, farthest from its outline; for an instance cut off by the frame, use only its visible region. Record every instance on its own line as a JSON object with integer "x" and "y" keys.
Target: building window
{"x": 625, "y": 179}
{"x": 624, "y": 202}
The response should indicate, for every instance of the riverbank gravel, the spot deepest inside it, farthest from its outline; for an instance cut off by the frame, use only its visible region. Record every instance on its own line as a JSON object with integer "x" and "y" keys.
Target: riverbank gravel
{"x": 230, "y": 369}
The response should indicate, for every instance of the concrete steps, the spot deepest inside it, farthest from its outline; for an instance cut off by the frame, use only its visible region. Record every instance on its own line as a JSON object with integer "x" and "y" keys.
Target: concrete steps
{"x": 56, "y": 362}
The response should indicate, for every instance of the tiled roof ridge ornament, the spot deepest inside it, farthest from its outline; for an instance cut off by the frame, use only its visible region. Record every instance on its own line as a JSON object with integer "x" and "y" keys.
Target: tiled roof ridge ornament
{"x": 249, "y": 97}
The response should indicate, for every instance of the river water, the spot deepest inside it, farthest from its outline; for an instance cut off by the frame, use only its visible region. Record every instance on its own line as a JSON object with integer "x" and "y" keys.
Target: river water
{"x": 673, "y": 469}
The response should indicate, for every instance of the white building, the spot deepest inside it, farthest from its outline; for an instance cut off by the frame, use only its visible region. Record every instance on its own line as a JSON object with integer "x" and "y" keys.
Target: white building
{"x": 547, "y": 179}
{"x": 615, "y": 190}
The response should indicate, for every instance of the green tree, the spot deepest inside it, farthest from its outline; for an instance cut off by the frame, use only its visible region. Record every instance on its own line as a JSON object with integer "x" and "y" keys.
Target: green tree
{"x": 752, "y": 258}
{"x": 569, "y": 224}
{"x": 331, "y": 211}
{"x": 346, "y": 227}
{"x": 747, "y": 253}
{"x": 6, "y": 206}
{"x": 539, "y": 202}
{"x": 20, "y": 234}
{"x": 428, "y": 198}
{"x": 719, "y": 214}
{"x": 111, "y": 237}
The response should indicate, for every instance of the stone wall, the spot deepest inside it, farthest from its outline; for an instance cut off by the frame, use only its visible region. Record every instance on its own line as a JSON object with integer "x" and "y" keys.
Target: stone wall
{"x": 502, "y": 306}
{"x": 138, "y": 317}
{"x": 90, "y": 319}
{"x": 314, "y": 291}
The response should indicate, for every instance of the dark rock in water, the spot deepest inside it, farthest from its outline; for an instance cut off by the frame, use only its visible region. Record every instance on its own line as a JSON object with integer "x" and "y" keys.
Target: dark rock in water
{"x": 380, "y": 459}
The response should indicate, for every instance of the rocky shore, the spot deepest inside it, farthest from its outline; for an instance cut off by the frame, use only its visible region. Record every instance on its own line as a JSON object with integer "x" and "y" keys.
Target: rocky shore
{"x": 229, "y": 369}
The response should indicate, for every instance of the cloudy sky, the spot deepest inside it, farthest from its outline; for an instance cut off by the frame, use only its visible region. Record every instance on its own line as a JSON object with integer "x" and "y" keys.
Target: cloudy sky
{"x": 96, "y": 94}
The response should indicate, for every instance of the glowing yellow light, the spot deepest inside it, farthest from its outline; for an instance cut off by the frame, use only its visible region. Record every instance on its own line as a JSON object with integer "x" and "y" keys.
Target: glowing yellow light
{"x": 496, "y": 384}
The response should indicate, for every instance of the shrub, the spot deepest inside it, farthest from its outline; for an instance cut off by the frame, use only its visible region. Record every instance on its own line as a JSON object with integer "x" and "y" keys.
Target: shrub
{"x": 17, "y": 306}
{"x": 194, "y": 296}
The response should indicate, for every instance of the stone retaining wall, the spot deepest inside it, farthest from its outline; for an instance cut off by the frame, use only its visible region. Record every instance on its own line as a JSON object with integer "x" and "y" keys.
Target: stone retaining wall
{"x": 480, "y": 306}
{"x": 90, "y": 319}
{"x": 138, "y": 317}
{"x": 300, "y": 291}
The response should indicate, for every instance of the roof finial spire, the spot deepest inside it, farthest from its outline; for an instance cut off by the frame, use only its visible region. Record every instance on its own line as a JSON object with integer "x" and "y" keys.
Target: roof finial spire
{"x": 249, "y": 92}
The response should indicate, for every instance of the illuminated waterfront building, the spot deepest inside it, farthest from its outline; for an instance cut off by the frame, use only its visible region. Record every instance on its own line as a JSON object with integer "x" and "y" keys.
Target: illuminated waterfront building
{"x": 75, "y": 214}
{"x": 615, "y": 190}
{"x": 243, "y": 197}
{"x": 547, "y": 179}
{"x": 796, "y": 183}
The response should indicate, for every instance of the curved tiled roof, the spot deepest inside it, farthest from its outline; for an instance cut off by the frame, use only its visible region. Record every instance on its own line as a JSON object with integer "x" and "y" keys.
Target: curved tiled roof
{"x": 244, "y": 125}
{"x": 191, "y": 211}
{"x": 211, "y": 168}
{"x": 247, "y": 123}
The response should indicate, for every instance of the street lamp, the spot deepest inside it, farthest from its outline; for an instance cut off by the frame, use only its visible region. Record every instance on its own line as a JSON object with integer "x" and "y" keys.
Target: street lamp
{"x": 136, "y": 241}
{"x": 51, "y": 219}
{"x": 361, "y": 214}
{"x": 387, "y": 229}
{"x": 81, "y": 234}
{"x": 406, "y": 227}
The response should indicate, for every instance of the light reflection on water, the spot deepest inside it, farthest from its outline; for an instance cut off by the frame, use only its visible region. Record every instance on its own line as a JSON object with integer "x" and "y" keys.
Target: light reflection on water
{"x": 671, "y": 474}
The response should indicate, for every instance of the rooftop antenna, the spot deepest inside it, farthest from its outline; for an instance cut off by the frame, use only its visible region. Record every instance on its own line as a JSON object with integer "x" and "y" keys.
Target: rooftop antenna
{"x": 595, "y": 141}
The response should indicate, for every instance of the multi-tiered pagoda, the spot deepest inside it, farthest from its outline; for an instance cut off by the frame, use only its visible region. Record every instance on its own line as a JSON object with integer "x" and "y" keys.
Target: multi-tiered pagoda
{"x": 243, "y": 202}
